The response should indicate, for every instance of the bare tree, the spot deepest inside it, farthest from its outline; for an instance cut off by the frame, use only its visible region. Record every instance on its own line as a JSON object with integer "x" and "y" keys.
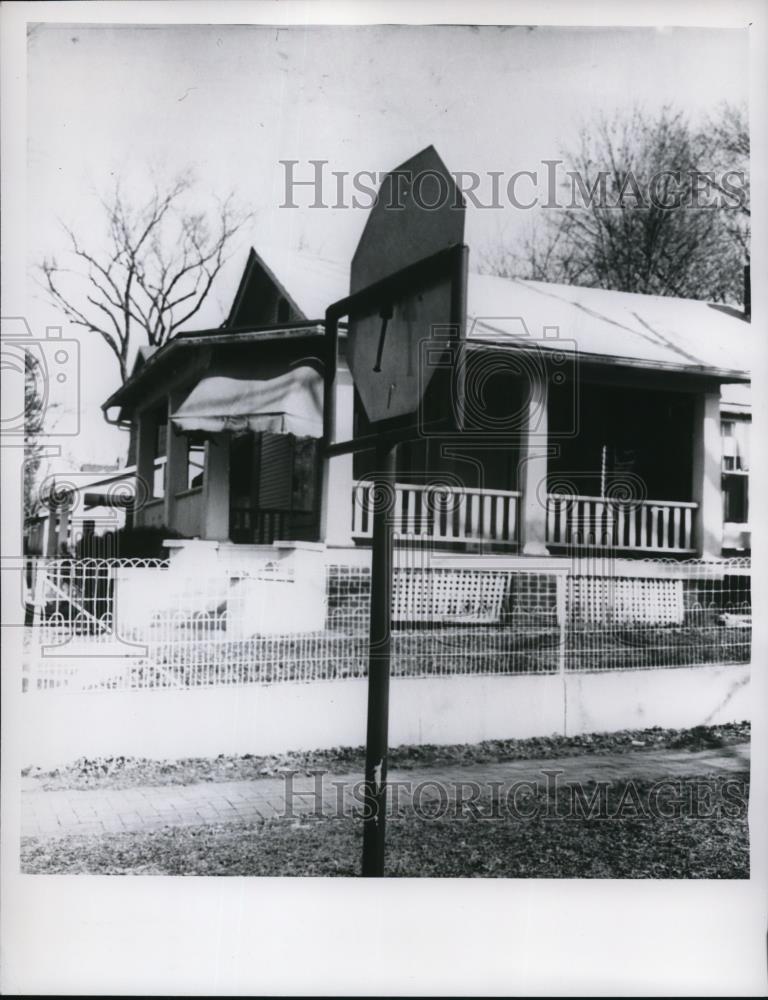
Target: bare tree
{"x": 726, "y": 138}
{"x": 153, "y": 274}
{"x": 33, "y": 425}
{"x": 631, "y": 219}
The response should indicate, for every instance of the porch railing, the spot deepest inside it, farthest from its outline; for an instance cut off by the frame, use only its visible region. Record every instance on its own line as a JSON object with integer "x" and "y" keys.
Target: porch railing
{"x": 457, "y": 514}
{"x": 258, "y": 527}
{"x": 633, "y": 525}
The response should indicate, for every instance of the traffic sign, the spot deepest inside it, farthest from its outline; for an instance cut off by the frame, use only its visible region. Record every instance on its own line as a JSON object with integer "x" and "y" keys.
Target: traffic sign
{"x": 418, "y": 214}
{"x": 408, "y": 280}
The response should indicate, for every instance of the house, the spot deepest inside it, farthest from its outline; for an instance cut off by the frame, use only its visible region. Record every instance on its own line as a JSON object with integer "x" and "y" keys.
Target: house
{"x": 594, "y": 419}
{"x": 81, "y": 512}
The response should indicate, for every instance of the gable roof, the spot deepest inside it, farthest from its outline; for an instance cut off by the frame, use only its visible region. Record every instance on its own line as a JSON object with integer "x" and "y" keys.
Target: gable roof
{"x": 308, "y": 283}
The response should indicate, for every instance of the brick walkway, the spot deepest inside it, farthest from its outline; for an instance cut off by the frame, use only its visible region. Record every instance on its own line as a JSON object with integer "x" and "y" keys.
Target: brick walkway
{"x": 56, "y": 813}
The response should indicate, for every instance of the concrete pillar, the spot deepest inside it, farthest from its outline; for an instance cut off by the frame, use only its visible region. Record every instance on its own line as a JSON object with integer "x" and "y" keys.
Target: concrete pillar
{"x": 707, "y": 475}
{"x": 216, "y": 489}
{"x": 145, "y": 461}
{"x": 336, "y": 520}
{"x": 176, "y": 463}
{"x": 532, "y": 471}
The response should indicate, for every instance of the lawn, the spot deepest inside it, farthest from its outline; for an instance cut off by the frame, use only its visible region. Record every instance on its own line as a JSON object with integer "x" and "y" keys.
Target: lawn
{"x": 128, "y": 772}
{"x": 439, "y": 650}
{"x": 623, "y": 844}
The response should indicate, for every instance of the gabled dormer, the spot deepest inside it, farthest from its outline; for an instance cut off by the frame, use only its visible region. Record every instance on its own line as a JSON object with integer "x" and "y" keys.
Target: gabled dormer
{"x": 261, "y": 299}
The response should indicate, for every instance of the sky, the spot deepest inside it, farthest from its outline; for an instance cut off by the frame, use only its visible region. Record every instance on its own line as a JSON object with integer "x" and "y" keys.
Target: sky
{"x": 231, "y": 102}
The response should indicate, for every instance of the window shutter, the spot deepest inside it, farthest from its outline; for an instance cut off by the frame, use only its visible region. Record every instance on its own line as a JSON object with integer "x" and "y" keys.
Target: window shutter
{"x": 276, "y": 471}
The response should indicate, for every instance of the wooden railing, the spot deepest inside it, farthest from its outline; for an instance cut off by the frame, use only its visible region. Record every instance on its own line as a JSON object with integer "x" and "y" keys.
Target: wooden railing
{"x": 258, "y": 527}
{"x": 454, "y": 514}
{"x": 633, "y": 525}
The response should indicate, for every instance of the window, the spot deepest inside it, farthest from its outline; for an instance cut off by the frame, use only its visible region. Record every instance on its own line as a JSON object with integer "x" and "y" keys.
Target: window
{"x": 283, "y": 311}
{"x": 160, "y": 452}
{"x": 735, "y": 434}
{"x": 736, "y": 498}
{"x": 195, "y": 465}
{"x": 735, "y": 442}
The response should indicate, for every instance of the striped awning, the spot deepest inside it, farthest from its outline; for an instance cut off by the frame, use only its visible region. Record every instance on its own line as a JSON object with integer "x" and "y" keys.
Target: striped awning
{"x": 291, "y": 403}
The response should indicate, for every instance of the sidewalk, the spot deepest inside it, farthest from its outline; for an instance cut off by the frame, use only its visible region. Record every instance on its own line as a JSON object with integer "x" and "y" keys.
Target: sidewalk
{"x": 145, "y": 808}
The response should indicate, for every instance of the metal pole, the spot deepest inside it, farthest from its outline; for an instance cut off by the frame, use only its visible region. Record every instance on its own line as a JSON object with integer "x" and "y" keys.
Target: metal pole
{"x": 458, "y": 321}
{"x": 561, "y": 604}
{"x": 375, "y": 788}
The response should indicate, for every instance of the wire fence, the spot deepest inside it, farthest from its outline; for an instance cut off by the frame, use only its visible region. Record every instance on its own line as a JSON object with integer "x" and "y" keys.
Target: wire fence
{"x": 141, "y": 624}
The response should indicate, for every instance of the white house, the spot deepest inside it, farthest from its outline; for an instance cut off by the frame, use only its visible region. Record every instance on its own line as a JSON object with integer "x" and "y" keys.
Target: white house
{"x": 594, "y": 418}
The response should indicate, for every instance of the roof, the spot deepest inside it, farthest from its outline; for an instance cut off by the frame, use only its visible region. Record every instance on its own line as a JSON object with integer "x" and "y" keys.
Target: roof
{"x": 651, "y": 331}
{"x": 312, "y": 283}
{"x": 609, "y": 327}
{"x": 309, "y": 282}
{"x": 162, "y": 361}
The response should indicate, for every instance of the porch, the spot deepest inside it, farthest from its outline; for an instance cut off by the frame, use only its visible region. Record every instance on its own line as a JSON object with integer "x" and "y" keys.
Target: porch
{"x": 490, "y": 519}
{"x": 632, "y": 468}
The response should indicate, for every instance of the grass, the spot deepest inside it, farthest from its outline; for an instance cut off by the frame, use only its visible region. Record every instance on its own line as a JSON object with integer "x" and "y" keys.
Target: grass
{"x": 629, "y": 846}
{"x": 502, "y": 649}
{"x": 127, "y": 772}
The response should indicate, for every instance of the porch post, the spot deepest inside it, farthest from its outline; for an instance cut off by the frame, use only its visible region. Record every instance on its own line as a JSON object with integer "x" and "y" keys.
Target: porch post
{"x": 707, "y": 475}
{"x": 216, "y": 489}
{"x": 336, "y": 523}
{"x": 145, "y": 460}
{"x": 176, "y": 463}
{"x": 50, "y": 535}
{"x": 532, "y": 471}
{"x": 62, "y": 541}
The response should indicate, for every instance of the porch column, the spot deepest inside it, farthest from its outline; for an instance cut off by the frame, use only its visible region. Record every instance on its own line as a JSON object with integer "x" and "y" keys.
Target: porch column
{"x": 62, "y": 542}
{"x": 532, "y": 471}
{"x": 145, "y": 461}
{"x": 50, "y": 535}
{"x": 336, "y": 523}
{"x": 707, "y": 475}
{"x": 176, "y": 463}
{"x": 216, "y": 489}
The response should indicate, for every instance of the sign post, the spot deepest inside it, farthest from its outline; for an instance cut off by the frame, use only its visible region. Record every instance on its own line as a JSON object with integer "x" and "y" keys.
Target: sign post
{"x": 408, "y": 275}
{"x": 379, "y": 658}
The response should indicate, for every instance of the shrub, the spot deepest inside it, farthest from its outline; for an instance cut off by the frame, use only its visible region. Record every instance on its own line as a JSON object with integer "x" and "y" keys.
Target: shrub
{"x": 132, "y": 543}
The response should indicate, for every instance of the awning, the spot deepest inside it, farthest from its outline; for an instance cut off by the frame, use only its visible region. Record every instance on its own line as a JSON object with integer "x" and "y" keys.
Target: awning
{"x": 291, "y": 403}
